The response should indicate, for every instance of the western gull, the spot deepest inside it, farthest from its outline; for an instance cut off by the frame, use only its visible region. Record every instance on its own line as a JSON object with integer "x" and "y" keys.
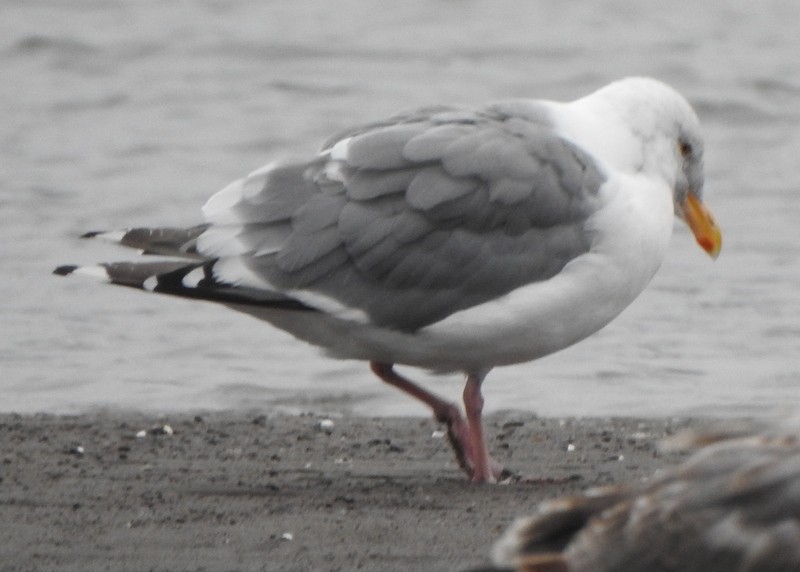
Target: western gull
{"x": 733, "y": 506}
{"x": 448, "y": 238}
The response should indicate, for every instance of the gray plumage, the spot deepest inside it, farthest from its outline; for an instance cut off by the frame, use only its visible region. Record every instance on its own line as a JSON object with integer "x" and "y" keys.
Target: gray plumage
{"x": 180, "y": 242}
{"x": 420, "y": 216}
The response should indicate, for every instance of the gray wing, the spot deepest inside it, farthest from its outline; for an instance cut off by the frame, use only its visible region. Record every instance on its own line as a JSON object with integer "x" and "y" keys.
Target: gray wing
{"x": 414, "y": 218}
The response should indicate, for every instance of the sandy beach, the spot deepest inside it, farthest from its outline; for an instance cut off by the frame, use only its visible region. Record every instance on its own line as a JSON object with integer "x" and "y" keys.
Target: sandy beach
{"x": 238, "y": 491}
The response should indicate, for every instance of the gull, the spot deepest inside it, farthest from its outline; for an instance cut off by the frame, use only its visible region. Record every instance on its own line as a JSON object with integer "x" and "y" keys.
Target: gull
{"x": 733, "y": 506}
{"x": 448, "y": 238}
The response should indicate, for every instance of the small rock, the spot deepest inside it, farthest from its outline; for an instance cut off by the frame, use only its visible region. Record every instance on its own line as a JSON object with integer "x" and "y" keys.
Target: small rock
{"x": 570, "y": 448}
{"x": 78, "y": 451}
{"x": 326, "y": 425}
{"x": 161, "y": 430}
{"x": 287, "y": 536}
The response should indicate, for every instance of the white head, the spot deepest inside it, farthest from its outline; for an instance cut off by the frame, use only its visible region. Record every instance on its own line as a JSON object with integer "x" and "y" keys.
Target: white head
{"x": 656, "y": 132}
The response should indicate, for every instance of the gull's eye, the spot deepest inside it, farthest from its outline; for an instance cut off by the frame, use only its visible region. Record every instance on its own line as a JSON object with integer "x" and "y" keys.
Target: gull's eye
{"x": 685, "y": 148}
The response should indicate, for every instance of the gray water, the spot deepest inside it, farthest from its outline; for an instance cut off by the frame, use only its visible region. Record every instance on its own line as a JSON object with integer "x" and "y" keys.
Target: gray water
{"x": 118, "y": 113}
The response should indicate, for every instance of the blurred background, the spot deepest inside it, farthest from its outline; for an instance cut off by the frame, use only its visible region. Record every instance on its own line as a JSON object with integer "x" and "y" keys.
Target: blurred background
{"x": 118, "y": 113}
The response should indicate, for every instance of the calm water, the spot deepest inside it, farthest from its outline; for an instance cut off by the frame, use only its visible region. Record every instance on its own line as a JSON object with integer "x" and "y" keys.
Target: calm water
{"x": 118, "y": 113}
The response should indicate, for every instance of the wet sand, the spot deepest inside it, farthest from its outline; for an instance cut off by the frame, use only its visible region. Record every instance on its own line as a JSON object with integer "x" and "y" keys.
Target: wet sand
{"x": 237, "y": 491}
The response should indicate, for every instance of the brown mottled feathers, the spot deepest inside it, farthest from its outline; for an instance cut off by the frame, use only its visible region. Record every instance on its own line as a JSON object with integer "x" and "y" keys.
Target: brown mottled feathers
{"x": 733, "y": 506}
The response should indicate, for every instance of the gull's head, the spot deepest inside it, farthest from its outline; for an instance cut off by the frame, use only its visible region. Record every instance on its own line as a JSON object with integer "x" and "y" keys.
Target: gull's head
{"x": 661, "y": 137}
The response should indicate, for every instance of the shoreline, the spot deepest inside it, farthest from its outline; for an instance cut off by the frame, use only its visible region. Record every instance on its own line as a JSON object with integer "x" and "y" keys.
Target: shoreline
{"x": 243, "y": 491}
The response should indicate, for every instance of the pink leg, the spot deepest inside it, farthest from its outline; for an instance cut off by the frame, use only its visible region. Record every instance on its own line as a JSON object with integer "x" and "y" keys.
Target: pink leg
{"x": 473, "y": 403}
{"x": 466, "y": 436}
{"x": 443, "y": 411}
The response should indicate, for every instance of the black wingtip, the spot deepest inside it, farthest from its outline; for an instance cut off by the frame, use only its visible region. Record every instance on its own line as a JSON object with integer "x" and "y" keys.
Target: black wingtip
{"x": 65, "y": 270}
{"x": 91, "y": 233}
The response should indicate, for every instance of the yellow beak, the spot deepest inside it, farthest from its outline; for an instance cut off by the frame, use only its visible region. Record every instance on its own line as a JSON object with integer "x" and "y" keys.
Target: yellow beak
{"x": 702, "y": 224}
